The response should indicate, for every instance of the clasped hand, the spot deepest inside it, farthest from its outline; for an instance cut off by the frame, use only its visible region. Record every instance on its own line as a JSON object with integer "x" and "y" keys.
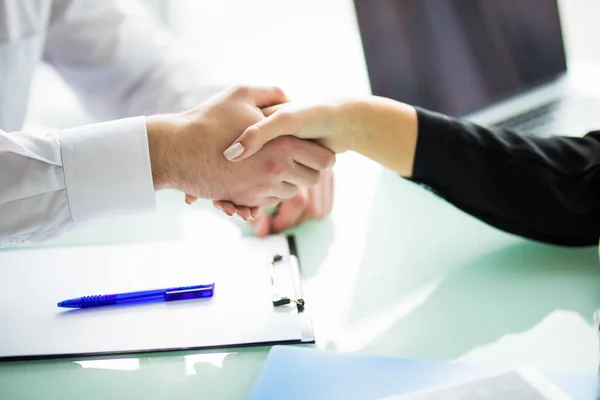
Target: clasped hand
{"x": 321, "y": 122}
{"x": 186, "y": 152}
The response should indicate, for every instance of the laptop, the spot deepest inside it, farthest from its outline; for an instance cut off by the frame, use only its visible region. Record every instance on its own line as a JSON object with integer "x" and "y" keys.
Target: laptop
{"x": 495, "y": 62}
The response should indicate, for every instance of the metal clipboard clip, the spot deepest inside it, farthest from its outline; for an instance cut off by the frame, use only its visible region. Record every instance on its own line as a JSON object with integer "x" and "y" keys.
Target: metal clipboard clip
{"x": 285, "y": 282}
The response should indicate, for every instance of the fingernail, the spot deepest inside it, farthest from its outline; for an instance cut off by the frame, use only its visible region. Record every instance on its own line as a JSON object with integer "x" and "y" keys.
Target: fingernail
{"x": 234, "y": 151}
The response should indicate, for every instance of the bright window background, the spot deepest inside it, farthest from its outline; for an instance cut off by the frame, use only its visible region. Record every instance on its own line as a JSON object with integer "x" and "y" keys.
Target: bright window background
{"x": 309, "y": 47}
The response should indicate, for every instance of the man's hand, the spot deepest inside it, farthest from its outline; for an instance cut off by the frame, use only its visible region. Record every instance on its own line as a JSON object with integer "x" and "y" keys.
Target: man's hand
{"x": 312, "y": 203}
{"x": 186, "y": 152}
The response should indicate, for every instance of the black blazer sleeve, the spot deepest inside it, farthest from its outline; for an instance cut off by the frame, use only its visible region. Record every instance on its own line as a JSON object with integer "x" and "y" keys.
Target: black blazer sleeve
{"x": 545, "y": 189}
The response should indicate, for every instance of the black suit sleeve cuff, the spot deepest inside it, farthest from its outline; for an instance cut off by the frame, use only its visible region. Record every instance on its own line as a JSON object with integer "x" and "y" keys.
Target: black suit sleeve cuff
{"x": 545, "y": 189}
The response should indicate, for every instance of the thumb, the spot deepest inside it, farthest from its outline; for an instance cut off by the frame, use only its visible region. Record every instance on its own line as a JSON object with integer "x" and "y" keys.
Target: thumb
{"x": 264, "y": 96}
{"x": 281, "y": 123}
{"x": 268, "y": 111}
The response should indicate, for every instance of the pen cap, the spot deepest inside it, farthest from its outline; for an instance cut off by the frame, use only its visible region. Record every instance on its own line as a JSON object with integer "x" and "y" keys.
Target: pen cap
{"x": 189, "y": 294}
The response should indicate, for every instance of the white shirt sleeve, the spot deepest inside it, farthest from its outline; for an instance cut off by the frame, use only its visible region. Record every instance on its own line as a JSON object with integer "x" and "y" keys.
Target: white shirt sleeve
{"x": 122, "y": 63}
{"x": 52, "y": 181}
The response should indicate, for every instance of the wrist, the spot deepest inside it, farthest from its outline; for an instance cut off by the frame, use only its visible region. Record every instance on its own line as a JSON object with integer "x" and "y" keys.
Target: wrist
{"x": 159, "y": 130}
{"x": 356, "y": 115}
{"x": 385, "y": 131}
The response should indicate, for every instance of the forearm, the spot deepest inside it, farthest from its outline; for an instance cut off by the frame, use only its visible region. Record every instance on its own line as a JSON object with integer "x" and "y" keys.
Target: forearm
{"x": 544, "y": 189}
{"x": 384, "y": 131}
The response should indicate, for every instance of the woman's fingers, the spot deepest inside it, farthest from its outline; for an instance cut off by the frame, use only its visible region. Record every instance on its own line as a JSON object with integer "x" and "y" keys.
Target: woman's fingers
{"x": 281, "y": 123}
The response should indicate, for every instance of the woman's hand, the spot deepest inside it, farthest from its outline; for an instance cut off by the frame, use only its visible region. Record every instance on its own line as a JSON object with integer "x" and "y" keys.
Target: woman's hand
{"x": 381, "y": 129}
{"x": 326, "y": 123}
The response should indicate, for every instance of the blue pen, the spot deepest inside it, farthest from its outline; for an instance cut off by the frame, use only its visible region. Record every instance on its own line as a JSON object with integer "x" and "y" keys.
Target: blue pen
{"x": 169, "y": 294}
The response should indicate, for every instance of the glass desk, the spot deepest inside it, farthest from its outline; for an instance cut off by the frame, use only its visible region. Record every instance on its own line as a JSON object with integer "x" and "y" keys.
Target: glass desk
{"x": 394, "y": 271}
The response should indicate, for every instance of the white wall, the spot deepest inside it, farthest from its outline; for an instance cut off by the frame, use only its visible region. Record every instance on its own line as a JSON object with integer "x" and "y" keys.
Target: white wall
{"x": 581, "y": 23}
{"x": 265, "y": 40}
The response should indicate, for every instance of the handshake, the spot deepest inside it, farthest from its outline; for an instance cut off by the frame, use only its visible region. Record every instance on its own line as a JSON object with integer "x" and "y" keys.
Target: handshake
{"x": 217, "y": 151}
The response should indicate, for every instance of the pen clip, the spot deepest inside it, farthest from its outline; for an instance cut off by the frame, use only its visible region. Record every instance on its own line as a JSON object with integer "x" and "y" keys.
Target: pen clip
{"x": 276, "y": 298}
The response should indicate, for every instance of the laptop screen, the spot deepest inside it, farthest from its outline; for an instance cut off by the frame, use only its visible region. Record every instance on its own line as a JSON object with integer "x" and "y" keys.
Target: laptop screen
{"x": 457, "y": 56}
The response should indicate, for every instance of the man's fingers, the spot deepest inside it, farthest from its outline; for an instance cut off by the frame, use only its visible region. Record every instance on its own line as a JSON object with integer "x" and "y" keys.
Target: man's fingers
{"x": 270, "y": 202}
{"x": 225, "y": 206}
{"x": 319, "y": 198}
{"x": 254, "y": 138}
{"x": 217, "y": 204}
{"x": 286, "y": 190}
{"x": 268, "y": 111}
{"x": 316, "y": 196}
{"x": 302, "y": 176}
{"x": 243, "y": 212}
{"x": 289, "y": 214}
{"x": 262, "y": 224}
{"x": 264, "y": 96}
{"x": 246, "y": 213}
{"x": 313, "y": 156}
{"x": 327, "y": 184}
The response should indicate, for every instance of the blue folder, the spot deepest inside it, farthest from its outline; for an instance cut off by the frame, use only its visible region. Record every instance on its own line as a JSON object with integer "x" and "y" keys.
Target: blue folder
{"x": 303, "y": 373}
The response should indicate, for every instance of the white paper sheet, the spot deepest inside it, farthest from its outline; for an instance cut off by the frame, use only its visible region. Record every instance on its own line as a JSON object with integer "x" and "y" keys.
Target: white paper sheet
{"x": 240, "y": 311}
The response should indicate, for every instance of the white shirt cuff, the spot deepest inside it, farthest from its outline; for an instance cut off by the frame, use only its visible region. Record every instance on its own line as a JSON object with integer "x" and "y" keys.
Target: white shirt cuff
{"x": 107, "y": 169}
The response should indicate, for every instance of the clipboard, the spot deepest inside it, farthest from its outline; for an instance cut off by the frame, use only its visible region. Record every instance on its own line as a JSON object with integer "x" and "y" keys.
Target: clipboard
{"x": 253, "y": 275}
{"x": 286, "y": 287}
